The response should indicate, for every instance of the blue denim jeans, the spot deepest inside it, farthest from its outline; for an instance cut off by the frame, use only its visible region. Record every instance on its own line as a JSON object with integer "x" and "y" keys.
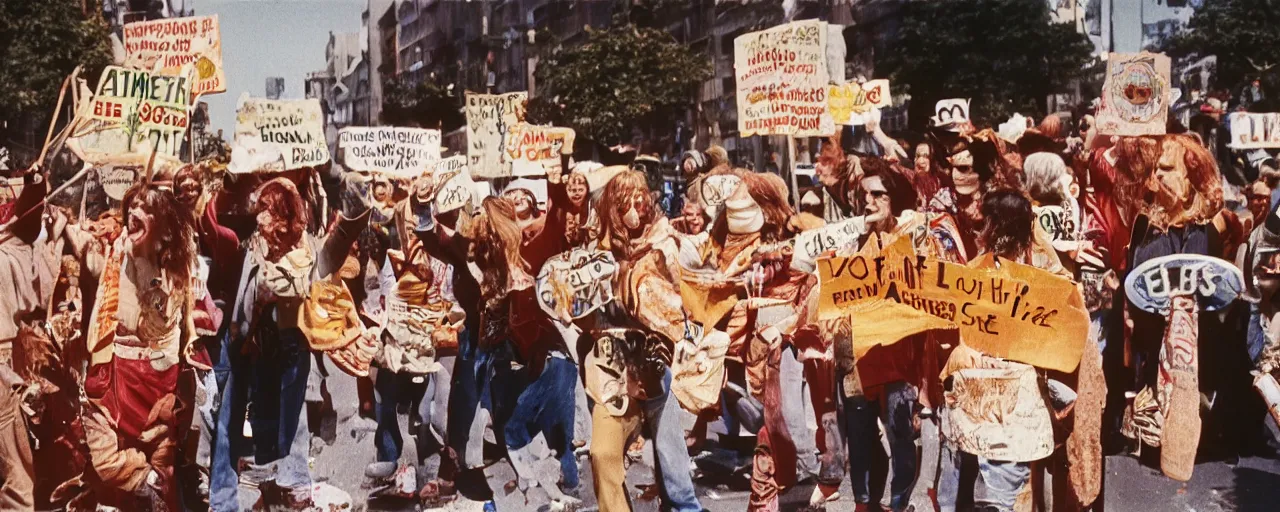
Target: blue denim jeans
{"x": 663, "y": 425}
{"x": 278, "y": 379}
{"x": 1002, "y": 480}
{"x": 391, "y": 390}
{"x": 547, "y": 406}
{"x": 897, "y": 407}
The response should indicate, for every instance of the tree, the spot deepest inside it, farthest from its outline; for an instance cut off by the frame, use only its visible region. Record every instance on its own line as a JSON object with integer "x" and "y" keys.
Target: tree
{"x": 1006, "y": 55}
{"x": 40, "y": 44}
{"x": 429, "y": 104}
{"x": 1243, "y": 34}
{"x": 621, "y": 79}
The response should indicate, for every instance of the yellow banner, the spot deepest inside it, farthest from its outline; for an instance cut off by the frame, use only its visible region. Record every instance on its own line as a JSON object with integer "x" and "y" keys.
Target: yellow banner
{"x": 1010, "y": 310}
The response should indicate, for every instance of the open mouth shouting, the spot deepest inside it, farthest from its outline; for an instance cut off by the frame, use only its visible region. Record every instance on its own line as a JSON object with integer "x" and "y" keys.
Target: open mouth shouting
{"x": 139, "y": 225}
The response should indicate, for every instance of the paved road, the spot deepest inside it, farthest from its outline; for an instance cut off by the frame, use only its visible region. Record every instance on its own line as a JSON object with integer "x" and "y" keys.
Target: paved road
{"x": 1253, "y": 485}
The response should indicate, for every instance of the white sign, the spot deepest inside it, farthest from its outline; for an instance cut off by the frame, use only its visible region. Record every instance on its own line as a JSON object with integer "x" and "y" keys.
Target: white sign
{"x": 951, "y": 114}
{"x": 405, "y": 152}
{"x": 534, "y": 150}
{"x": 1135, "y": 95}
{"x": 840, "y": 237}
{"x": 116, "y": 179}
{"x": 168, "y": 45}
{"x": 1254, "y": 131}
{"x": 278, "y": 135}
{"x": 782, "y": 81}
{"x": 489, "y": 120}
{"x": 573, "y": 284}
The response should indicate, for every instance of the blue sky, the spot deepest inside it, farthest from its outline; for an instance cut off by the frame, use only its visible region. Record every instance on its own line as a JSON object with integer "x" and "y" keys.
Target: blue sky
{"x": 262, "y": 38}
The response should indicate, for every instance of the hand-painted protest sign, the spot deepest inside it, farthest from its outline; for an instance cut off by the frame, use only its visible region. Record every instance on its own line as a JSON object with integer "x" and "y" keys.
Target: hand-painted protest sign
{"x": 277, "y": 135}
{"x": 999, "y": 413}
{"x": 533, "y": 150}
{"x": 1215, "y": 282}
{"x": 1007, "y": 310}
{"x": 951, "y": 114}
{"x": 170, "y": 44}
{"x": 839, "y": 237}
{"x": 848, "y": 102}
{"x": 782, "y": 80}
{"x": 405, "y": 152}
{"x": 573, "y": 284}
{"x": 116, "y": 179}
{"x": 134, "y": 111}
{"x": 454, "y": 186}
{"x": 1057, "y": 222}
{"x": 489, "y": 121}
{"x": 1254, "y": 130}
{"x": 1135, "y": 96}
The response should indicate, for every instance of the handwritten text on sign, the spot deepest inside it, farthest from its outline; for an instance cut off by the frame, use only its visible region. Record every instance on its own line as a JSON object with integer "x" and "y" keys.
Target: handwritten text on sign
{"x": 575, "y": 283}
{"x": 146, "y": 108}
{"x": 849, "y": 101}
{"x": 1214, "y": 282}
{"x": 405, "y": 152}
{"x": 1014, "y": 311}
{"x": 169, "y": 45}
{"x": 782, "y": 80}
{"x": 489, "y": 120}
{"x": 294, "y": 127}
{"x": 533, "y": 150}
{"x": 1253, "y": 131}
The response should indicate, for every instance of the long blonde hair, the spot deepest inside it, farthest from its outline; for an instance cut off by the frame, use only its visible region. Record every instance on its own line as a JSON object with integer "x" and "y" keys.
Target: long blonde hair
{"x": 495, "y": 245}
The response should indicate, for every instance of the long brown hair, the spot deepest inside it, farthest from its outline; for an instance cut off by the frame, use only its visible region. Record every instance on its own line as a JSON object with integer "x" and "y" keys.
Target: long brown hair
{"x": 614, "y": 203}
{"x": 280, "y": 198}
{"x": 495, "y": 245}
{"x": 172, "y": 225}
{"x": 1202, "y": 172}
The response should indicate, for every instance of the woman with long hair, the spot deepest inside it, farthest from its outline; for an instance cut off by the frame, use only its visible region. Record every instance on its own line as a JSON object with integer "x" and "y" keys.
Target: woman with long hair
{"x": 141, "y": 337}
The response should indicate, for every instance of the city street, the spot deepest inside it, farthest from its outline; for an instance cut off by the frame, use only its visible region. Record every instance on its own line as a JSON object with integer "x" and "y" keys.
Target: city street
{"x": 1251, "y": 486}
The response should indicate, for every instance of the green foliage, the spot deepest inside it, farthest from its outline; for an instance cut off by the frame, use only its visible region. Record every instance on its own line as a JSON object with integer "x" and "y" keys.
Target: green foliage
{"x": 1004, "y": 54}
{"x": 41, "y": 42}
{"x": 429, "y": 104}
{"x": 621, "y": 79}
{"x": 1237, "y": 31}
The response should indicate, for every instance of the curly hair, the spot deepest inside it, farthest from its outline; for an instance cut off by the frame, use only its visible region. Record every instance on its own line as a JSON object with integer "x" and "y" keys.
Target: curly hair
{"x": 1136, "y": 159}
{"x": 614, "y": 203}
{"x": 1009, "y": 229}
{"x": 1042, "y": 176}
{"x": 280, "y": 199}
{"x": 1202, "y": 173}
{"x": 495, "y": 245}
{"x": 173, "y": 226}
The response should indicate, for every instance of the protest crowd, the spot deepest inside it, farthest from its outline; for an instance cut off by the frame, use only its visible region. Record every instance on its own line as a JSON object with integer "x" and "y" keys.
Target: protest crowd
{"x": 1044, "y": 293}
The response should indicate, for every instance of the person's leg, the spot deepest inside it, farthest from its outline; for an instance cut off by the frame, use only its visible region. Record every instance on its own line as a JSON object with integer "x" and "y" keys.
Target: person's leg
{"x": 557, "y": 421}
{"x": 228, "y": 434}
{"x": 899, "y": 401}
{"x": 608, "y": 447}
{"x": 863, "y": 438}
{"x": 17, "y": 467}
{"x": 1003, "y": 480}
{"x": 792, "y": 389}
{"x": 664, "y": 427}
{"x": 292, "y": 471}
{"x": 387, "y": 437}
{"x": 820, "y": 376}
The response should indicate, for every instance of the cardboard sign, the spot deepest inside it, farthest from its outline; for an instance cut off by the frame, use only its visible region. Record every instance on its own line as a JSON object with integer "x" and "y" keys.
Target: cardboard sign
{"x": 405, "y": 152}
{"x": 1009, "y": 310}
{"x": 846, "y": 100}
{"x": 1057, "y": 222}
{"x": 489, "y": 120}
{"x": 1135, "y": 96}
{"x": 142, "y": 110}
{"x": 782, "y": 80}
{"x": 1214, "y": 282}
{"x": 116, "y": 179}
{"x": 278, "y": 135}
{"x": 951, "y": 114}
{"x": 168, "y": 45}
{"x": 1254, "y": 131}
{"x": 573, "y": 284}
{"x": 456, "y": 186}
{"x": 839, "y": 237}
{"x": 533, "y": 150}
